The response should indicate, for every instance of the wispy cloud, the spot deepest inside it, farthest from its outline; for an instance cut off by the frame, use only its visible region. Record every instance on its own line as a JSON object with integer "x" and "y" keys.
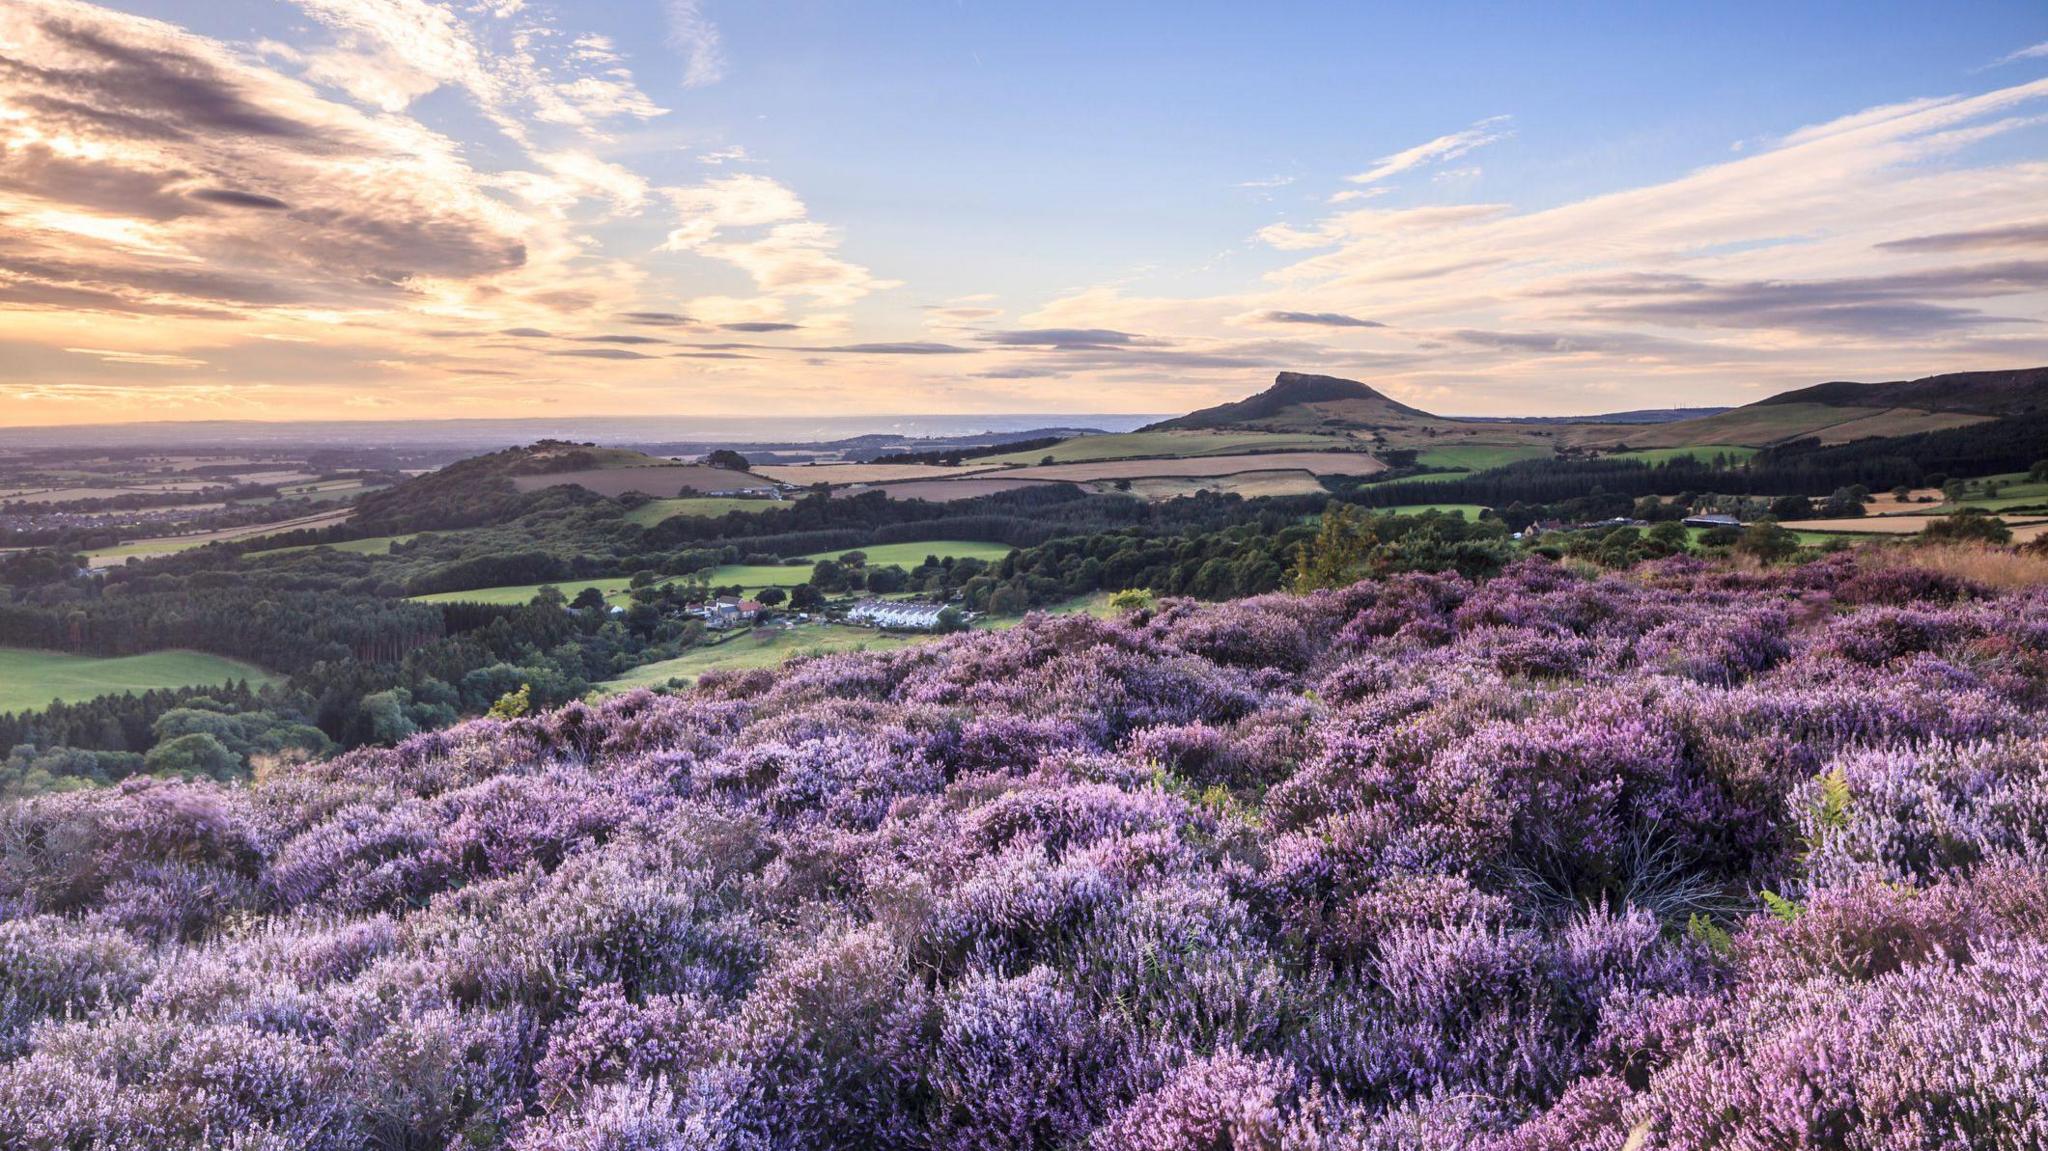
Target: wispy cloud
{"x": 412, "y": 191}
{"x": 1884, "y": 242}
{"x": 156, "y": 169}
{"x": 140, "y": 359}
{"x": 2031, "y": 235}
{"x": 1321, "y": 319}
{"x": 1436, "y": 151}
{"x": 761, "y": 226}
{"x": 2037, "y": 52}
{"x": 696, "y": 39}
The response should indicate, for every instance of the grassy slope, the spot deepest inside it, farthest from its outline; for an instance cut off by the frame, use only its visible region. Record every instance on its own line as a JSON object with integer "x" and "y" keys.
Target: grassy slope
{"x": 1702, "y": 452}
{"x": 155, "y": 547}
{"x": 1770, "y": 423}
{"x": 33, "y": 679}
{"x": 374, "y": 546}
{"x": 1899, "y": 422}
{"x": 759, "y": 649}
{"x": 169, "y": 545}
{"x": 1479, "y": 457}
{"x": 912, "y": 554}
{"x": 655, "y": 511}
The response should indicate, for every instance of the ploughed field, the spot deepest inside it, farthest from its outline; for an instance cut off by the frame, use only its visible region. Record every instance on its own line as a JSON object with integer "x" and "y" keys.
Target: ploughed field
{"x": 2024, "y": 528}
{"x": 1685, "y": 858}
{"x": 1173, "y": 445}
{"x": 1320, "y": 463}
{"x": 1230, "y": 460}
{"x": 808, "y": 474}
{"x": 946, "y": 491}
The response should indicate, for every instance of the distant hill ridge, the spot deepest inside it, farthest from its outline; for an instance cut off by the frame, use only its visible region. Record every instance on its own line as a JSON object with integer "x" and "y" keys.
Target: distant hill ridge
{"x": 1632, "y": 416}
{"x": 1290, "y": 389}
{"x": 1838, "y": 411}
{"x": 1363, "y": 403}
{"x": 1999, "y": 393}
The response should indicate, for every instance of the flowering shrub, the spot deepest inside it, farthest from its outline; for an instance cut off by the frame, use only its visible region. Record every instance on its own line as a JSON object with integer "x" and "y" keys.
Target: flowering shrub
{"x": 1682, "y": 858}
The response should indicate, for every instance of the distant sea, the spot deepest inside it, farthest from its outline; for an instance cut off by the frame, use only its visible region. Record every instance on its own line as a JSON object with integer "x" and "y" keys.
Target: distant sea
{"x": 503, "y": 433}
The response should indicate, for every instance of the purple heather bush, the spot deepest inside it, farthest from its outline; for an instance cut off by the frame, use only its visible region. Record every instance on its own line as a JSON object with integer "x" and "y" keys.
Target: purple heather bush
{"x": 1679, "y": 858}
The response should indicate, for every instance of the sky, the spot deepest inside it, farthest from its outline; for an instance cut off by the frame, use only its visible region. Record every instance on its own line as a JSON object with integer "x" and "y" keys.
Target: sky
{"x": 363, "y": 209}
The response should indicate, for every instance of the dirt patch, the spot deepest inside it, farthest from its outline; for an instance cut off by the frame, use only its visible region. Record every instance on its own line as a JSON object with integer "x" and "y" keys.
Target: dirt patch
{"x": 1918, "y": 499}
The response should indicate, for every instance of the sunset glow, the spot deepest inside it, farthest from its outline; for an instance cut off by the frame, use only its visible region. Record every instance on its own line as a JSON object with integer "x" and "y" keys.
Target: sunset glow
{"x": 392, "y": 208}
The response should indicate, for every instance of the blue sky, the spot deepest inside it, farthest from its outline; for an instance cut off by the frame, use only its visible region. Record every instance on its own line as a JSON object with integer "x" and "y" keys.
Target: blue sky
{"x": 683, "y": 206}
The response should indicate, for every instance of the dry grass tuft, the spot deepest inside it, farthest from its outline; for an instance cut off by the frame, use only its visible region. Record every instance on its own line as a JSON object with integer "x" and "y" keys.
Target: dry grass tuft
{"x": 2002, "y": 568}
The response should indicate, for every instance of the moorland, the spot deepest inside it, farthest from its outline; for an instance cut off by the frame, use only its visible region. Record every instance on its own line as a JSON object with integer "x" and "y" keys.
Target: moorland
{"x": 1684, "y": 857}
{"x": 1307, "y": 772}
{"x": 378, "y": 592}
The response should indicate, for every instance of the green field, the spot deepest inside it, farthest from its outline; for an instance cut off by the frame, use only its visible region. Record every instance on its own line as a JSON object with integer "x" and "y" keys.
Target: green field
{"x": 1479, "y": 457}
{"x": 752, "y": 577}
{"x": 1425, "y": 478}
{"x": 374, "y": 546}
{"x": 32, "y": 680}
{"x": 1170, "y": 445}
{"x": 1704, "y": 453}
{"x": 617, "y": 590}
{"x": 2014, "y": 492}
{"x": 1806, "y": 539}
{"x": 154, "y": 547}
{"x": 770, "y": 647}
{"x": 1094, "y": 603}
{"x": 1470, "y": 511}
{"x": 2003, "y": 503}
{"x": 167, "y": 545}
{"x": 765, "y": 648}
{"x": 614, "y": 591}
{"x": 328, "y": 490}
{"x": 654, "y": 511}
{"x": 912, "y": 554}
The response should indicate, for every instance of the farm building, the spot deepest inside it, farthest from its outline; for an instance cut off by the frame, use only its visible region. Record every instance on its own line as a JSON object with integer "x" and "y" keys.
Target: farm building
{"x": 1712, "y": 521}
{"x": 906, "y": 616}
{"x": 727, "y": 611}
